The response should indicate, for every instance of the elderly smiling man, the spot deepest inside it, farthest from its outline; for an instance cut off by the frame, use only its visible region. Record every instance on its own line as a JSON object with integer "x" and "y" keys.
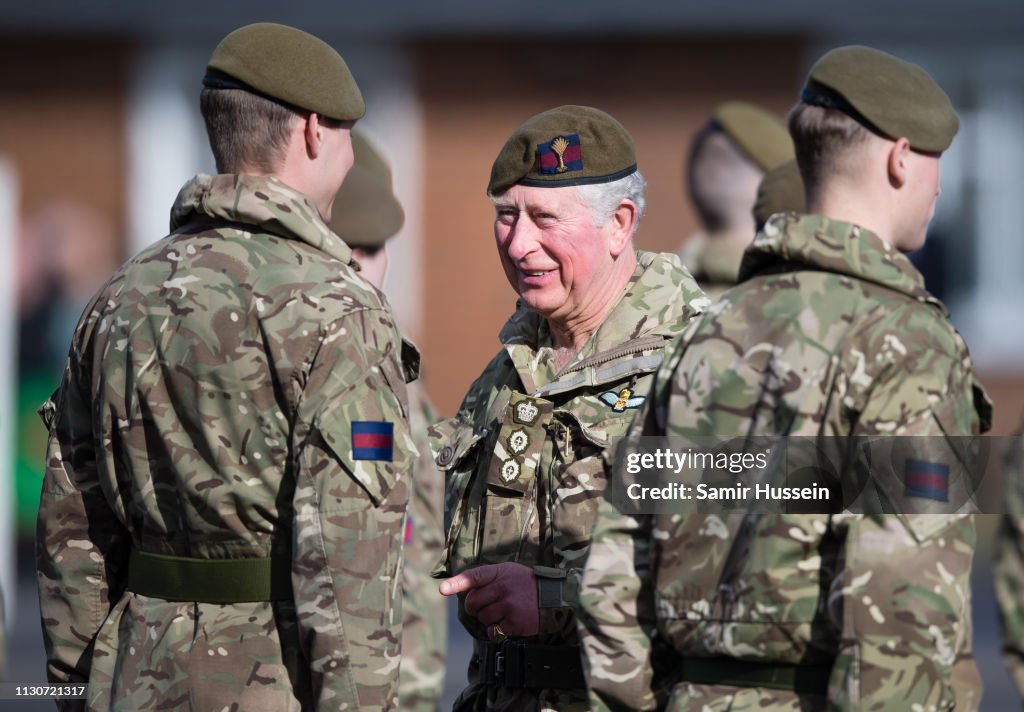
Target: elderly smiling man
{"x": 524, "y": 454}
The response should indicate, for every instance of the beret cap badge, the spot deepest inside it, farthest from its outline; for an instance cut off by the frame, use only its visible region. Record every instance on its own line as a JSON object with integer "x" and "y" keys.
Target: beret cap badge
{"x": 560, "y": 155}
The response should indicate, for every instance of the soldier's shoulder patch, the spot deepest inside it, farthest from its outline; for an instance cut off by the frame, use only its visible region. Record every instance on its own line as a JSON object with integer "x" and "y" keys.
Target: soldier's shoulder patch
{"x": 926, "y": 479}
{"x": 373, "y": 440}
{"x": 621, "y": 400}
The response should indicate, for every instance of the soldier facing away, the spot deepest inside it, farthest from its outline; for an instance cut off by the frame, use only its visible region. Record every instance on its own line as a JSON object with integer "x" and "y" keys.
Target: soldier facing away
{"x": 524, "y": 454}
{"x": 222, "y": 513}
{"x": 366, "y": 215}
{"x": 829, "y": 333}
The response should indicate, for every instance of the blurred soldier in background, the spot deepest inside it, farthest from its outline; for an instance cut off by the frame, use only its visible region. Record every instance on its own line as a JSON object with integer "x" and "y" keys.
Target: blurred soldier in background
{"x": 366, "y": 215}
{"x": 728, "y": 158}
{"x": 223, "y": 508}
{"x": 524, "y": 454}
{"x": 781, "y": 191}
{"x": 829, "y": 333}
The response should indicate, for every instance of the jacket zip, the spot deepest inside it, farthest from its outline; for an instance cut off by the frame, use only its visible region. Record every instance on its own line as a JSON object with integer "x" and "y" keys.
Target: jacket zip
{"x": 645, "y": 344}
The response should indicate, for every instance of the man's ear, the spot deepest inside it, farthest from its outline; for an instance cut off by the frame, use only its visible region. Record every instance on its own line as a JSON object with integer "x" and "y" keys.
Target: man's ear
{"x": 622, "y": 224}
{"x": 314, "y": 135}
{"x": 899, "y": 162}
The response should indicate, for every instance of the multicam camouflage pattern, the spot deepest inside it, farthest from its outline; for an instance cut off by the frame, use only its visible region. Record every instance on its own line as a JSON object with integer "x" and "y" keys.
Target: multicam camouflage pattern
{"x": 206, "y": 412}
{"x": 524, "y": 456}
{"x": 424, "y": 609}
{"x": 1009, "y": 563}
{"x": 831, "y": 333}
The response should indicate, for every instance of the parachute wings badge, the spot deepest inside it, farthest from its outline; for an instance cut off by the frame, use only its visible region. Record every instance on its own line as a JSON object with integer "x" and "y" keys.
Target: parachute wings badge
{"x": 622, "y": 400}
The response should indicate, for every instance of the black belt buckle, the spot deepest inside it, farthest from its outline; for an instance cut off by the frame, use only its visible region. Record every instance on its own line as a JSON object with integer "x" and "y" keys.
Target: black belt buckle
{"x": 512, "y": 659}
{"x": 502, "y": 663}
{"x": 523, "y": 665}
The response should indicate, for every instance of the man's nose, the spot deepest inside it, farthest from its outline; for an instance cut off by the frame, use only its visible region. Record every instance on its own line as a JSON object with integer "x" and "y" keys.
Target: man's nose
{"x": 522, "y": 239}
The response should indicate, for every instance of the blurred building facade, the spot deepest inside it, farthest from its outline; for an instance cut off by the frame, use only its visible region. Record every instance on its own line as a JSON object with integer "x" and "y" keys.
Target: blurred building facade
{"x": 100, "y": 107}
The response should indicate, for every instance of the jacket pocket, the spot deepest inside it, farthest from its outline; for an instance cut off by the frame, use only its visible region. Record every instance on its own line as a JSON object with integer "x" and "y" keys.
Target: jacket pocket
{"x": 456, "y": 443}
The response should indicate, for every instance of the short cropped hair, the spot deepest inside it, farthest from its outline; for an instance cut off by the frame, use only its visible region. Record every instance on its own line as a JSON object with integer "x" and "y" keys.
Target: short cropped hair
{"x": 825, "y": 141}
{"x": 715, "y": 173}
{"x": 245, "y": 130}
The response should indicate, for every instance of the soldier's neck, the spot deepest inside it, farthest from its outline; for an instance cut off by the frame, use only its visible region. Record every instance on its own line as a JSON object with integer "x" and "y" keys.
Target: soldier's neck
{"x": 860, "y": 206}
{"x": 571, "y": 333}
{"x": 560, "y": 358}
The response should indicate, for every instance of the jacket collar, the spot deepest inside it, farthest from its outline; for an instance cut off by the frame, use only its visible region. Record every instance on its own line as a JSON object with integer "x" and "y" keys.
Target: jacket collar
{"x": 263, "y": 202}
{"x": 790, "y": 241}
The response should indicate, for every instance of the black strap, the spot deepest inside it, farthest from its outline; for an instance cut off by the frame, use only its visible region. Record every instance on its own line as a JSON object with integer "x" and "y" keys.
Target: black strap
{"x": 514, "y": 664}
{"x": 729, "y": 672}
{"x": 818, "y": 94}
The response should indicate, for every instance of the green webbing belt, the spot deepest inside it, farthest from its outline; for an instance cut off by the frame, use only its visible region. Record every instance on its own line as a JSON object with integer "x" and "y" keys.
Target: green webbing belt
{"x": 177, "y": 578}
{"x": 802, "y": 679}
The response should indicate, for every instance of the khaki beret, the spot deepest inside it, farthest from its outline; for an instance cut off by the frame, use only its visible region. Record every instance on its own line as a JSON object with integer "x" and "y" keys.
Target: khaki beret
{"x": 781, "y": 191}
{"x": 890, "y": 97}
{"x": 286, "y": 65}
{"x": 568, "y": 145}
{"x": 368, "y": 158}
{"x": 760, "y": 135}
{"x": 366, "y": 212}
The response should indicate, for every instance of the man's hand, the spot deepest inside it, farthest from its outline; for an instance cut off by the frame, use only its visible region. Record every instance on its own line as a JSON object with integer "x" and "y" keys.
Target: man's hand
{"x": 502, "y": 597}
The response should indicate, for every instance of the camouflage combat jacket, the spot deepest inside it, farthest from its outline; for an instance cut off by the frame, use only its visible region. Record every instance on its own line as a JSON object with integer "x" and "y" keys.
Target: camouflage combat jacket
{"x": 830, "y": 333}
{"x": 1009, "y": 562}
{"x": 524, "y": 455}
{"x": 215, "y": 394}
{"x": 425, "y": 610}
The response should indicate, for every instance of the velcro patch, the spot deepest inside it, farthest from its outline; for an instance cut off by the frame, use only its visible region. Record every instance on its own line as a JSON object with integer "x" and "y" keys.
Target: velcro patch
{"x": 373, "y": 440}
{"x": 926, "y": 479}
{"x": 562, "y": 154}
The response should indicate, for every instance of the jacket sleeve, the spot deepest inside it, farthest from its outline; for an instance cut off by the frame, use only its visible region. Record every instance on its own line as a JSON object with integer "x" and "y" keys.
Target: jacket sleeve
{"x": 81, "y": 546}
{"x": 354, "y": 459}
{"x": 902, "y": 594}
{"x": 425, "y": 610}
{"x": 616, "y": 616}
{"x": 1009, "y": 564}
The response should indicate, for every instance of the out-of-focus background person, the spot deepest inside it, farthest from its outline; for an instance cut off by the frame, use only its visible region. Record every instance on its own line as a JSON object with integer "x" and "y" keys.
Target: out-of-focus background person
{"x": 728, "y": 157}
{"x": 99, "y": 112}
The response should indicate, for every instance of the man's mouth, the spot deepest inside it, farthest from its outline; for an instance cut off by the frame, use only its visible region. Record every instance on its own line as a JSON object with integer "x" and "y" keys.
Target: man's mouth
{"x": 535, "y": 277}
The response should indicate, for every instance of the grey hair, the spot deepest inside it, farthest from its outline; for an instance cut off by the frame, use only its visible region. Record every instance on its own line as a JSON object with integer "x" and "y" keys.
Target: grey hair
{"x": 604, "y": 198}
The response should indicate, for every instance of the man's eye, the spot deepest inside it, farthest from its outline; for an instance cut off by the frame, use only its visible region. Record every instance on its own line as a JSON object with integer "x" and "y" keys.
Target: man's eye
{"x": 507, "y": 217}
